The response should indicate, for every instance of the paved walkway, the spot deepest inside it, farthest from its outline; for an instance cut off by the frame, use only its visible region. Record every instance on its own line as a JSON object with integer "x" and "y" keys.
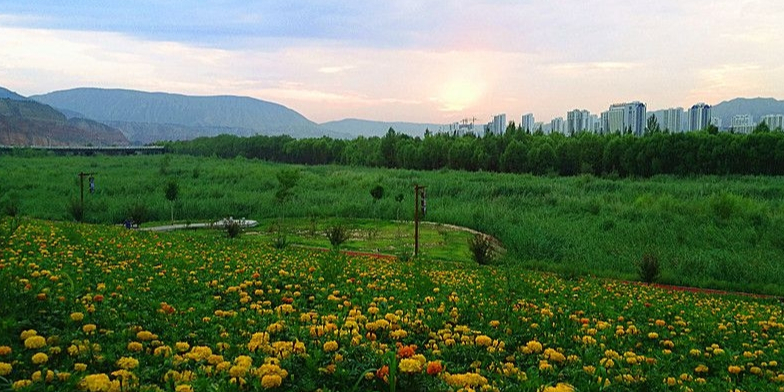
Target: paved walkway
{"x": 188, "y": 226}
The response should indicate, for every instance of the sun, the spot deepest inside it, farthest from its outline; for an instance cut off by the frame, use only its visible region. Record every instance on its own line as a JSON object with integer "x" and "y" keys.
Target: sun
{"x": 461, "y": 89}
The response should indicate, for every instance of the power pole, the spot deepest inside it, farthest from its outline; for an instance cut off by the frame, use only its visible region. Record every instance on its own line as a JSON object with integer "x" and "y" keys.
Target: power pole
{"x": 419, "y": 212}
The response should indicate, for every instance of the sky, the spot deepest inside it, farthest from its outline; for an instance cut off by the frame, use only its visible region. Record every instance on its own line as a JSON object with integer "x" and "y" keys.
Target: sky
{"x": 403, "y": 60}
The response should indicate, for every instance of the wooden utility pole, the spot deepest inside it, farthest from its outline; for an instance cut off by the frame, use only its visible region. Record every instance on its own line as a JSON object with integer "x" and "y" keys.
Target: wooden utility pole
{"x": 82, "y": 175}
{"x": 419, "y": 212}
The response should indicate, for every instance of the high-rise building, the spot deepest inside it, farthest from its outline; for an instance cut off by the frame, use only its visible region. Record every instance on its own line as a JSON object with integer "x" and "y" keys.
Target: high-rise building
{"x": 498, "y": 126}
{"x": 742, "y": 123}
{"x": 527, "y": 123}
{"x": 577, "y": 121}
{"x": 557, "y": 125}
{"x": 699, "y": 117}
{"x": 670, "y": 119}
{"x": 774, "y": 121}
{"x": 716, "y": 122}
{"x": 625, "y": 117}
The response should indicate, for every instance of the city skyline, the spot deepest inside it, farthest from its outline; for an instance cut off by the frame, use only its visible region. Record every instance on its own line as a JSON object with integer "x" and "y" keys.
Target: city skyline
{"x": 409, "y": 61}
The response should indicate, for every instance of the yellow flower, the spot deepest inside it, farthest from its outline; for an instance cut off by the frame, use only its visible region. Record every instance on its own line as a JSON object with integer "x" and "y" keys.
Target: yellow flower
{"x": 40, "y": 358}
{"x": 27, "y": 333}
{"x": 483, "y": 340}
{"x": 5, "y": 350}
{"x": 734, "y": 369}
{"x": 135, "y": 347}
{"x": 34, "y": 342}
{"x": 271, "y": 381}
{"x": 80, "y": 367}
{"x": 96, "y": 383}
{"x": 21, "y": 384}
{"x": 410, "y": 365}
{"x": 701, "y": 369}
{"x": 330, "y": 346}
{"x": 77, "y": 316}
{"x": 127, "y": 363}
{"x": 182, "y": 346}
{"x": 183, "y": 388}
{"x": 88, "y": 328}
{"x": 38, "y": 376}
{"x": 561, "y": 387}
{"x": 5, "y": 368}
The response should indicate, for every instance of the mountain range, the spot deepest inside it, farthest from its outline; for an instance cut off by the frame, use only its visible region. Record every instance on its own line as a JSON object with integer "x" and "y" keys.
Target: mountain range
{"x": 24, "y": 122}
{"x": 119, "y": 117}
{"x": 756, "y": 107}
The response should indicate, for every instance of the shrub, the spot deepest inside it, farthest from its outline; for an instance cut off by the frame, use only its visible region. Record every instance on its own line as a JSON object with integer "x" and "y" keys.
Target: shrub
{"x": 280, "y": 241}
{"x": 76, "y": 209}
{"x": 481, "y": 249}
{"x": 233, "y": 228}
{"x": 337, "y": 235}
{"x": 138, "y": 213}
{"x": 648, "y": 268}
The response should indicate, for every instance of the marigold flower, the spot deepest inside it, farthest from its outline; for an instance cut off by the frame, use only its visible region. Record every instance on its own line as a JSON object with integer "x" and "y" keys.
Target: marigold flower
{"x": 734, "y": 369}
{"x": 182, "y": 346}
{"x": 97, "y": 383}
{"x": 21, "y": 384}
{"x": 483, "y": 340}
{"x": 330, "y": 346}
{"x": 434, "y": 368}
{"x": 183, "y": 388}
{"x": 77, "y": 316}
{"x": 80, "y": 367}
{"x": 5, "y": 368}
{"x": 37, "y": 376}
{"x": 271, "y": 381}
{"x": 27, "y": 333}
{"x": 5, "y": 350}
{"x": 40, "y": 358}
{"x": 88, "y": 328}
{"x": 35, "y": 342}
{"x": 410, "y": 365}
{"x": 135, "y": 347}
{"x": 127, "y": 363}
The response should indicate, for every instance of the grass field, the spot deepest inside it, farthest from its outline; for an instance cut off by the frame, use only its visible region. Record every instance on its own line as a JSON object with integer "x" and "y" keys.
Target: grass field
{"x": 99, "y": 308}
{"x": 720, "y": 232}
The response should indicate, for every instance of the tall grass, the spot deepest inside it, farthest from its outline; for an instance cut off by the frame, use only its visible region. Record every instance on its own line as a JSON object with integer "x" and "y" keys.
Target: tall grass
{"x": 721, "y": 232}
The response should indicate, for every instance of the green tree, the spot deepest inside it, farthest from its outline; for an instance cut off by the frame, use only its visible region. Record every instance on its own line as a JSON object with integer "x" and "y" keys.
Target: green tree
{"x": 652, "y": 125}
{"x": 172, "y": 192}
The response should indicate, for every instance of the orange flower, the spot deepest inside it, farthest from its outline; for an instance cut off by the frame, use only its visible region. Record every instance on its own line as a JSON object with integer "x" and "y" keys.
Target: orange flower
{"x": 434, "y": 368}
{"x": 383, "y": 372}
{"x": 406, "y": 351}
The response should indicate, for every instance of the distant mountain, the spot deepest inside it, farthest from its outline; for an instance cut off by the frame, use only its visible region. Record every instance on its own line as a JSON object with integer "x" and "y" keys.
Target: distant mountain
{"x": 356, "y": 127}
{"x": 757, "y": 107}
{"x": 26, "y": 123}
{"x": 8, "y": 94}
{"x": 146, "y": 117}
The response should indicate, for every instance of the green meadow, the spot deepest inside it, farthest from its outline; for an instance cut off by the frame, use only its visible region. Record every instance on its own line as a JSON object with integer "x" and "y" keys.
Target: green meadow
{"x": 717, "y": 232}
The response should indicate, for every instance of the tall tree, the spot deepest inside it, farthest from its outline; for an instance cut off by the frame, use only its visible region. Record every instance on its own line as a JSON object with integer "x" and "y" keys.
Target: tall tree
{"x": 172, "y": 191}
{"x": 652, "y": 125}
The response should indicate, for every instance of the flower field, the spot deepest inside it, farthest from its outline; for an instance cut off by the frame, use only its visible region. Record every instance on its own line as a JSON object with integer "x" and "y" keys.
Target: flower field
{"x": 97, "y": 308}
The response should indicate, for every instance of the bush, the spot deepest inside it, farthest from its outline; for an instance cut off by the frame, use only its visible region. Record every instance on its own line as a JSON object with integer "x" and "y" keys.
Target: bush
{"x": 337, "y": 235}
{"x": 648, "y": 268}
{"x": 76, "y": 210}
{"x": 138, "y": 213}
{"x": 481, "y": 249}
{"x": 280, "y": 241}
{"x": 233, "y": 228}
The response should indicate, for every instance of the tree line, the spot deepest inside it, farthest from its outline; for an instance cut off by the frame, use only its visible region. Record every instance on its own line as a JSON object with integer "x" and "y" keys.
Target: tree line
{"x": 706, "y": 152}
